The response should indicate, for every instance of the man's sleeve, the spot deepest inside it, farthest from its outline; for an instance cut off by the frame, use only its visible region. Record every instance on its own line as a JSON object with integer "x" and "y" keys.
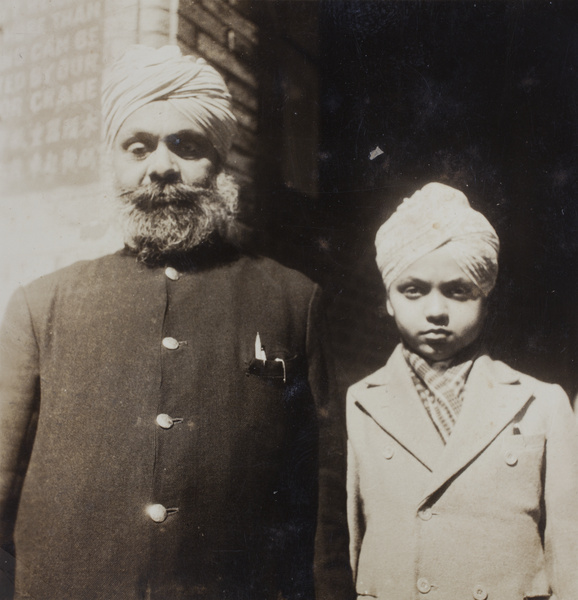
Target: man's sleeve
{"x": 19, "y": 393}
{"x": 333, "y": 579}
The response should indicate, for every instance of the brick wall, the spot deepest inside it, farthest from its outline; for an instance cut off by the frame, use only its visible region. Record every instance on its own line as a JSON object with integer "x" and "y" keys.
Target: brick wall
{"x": 216, "y": 31}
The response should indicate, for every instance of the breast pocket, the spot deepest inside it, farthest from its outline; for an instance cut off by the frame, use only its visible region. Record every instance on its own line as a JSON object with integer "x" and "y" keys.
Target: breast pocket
{"x": 520, "y": 471}
{"x": 524, "y": 448}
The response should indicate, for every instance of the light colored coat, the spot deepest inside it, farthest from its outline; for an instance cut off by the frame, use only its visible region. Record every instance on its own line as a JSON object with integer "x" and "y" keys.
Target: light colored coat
{"x": 491, "y": 515}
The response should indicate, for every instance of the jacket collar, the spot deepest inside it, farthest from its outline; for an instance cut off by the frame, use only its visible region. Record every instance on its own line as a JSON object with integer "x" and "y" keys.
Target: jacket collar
{"x": 492, "y": 398}
{"x": 392, "y": 401}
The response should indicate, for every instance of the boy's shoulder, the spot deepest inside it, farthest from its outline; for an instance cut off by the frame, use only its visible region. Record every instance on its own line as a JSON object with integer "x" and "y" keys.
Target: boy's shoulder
{"x": 387, "y": 375}
{"x": 537, "y": 406}
{"x": 545, "y": 406}
{"x": 485, "y": 369}
{"x": 502, "y": 373}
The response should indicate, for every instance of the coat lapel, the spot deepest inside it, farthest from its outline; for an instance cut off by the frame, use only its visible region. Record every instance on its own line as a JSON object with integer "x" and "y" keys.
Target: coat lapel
{"x": 392, "y": 401}
{"x": 492, "y": 398}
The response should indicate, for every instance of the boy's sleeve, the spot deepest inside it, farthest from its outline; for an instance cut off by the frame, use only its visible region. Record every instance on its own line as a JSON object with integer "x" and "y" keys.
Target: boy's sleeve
{"x": 19, "y": 392}
{"x": 561, "y": 499}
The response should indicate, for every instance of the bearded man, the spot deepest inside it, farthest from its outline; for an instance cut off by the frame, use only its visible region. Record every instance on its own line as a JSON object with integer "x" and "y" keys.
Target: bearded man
{"x": 166, "y": 402}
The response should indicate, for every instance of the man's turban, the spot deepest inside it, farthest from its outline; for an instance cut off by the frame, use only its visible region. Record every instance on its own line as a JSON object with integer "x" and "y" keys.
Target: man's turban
{"x": 143, "y": 75}
{"x": 436, "y": 216}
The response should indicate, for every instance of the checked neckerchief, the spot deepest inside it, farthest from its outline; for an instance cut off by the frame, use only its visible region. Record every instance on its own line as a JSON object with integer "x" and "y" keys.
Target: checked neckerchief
{"x": 440, "y": 388}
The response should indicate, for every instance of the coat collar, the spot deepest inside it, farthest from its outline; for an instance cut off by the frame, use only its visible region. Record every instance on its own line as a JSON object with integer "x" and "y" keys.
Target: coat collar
{"x": 492, "y": 398}
{"x": 392, "y": 401}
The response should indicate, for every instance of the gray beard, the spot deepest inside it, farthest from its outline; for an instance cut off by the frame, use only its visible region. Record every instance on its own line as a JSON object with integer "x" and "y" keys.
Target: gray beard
{"x": 174, "y": 218}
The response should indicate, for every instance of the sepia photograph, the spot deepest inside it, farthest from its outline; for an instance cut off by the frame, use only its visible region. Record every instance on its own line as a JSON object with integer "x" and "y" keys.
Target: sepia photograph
{"x": 289, "y": 299}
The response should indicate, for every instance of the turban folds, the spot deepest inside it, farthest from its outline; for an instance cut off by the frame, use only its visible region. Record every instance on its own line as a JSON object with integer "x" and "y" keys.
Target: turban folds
{"x": 436, "y": 216}
{"x": 143, "y": 75}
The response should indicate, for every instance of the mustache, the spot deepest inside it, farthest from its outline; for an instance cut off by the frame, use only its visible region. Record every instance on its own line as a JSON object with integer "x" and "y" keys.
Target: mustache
{"x": 154, "y": 195}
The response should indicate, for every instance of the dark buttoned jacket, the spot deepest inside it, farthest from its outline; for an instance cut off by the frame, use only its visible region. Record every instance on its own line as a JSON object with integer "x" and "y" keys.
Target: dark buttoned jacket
{"x": 164, "y": 459}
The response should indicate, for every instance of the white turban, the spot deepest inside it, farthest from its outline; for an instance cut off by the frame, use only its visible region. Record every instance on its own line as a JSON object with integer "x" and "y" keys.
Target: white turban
{"x": 143, "y": 75}
{"x": 436, "y": 216}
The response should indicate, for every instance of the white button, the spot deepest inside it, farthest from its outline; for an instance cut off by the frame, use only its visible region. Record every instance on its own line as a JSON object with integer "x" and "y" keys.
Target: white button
{"x": 425, "y": 514}
{"x": 388, "y": 452}
{"x": 423, "y": 585}
{"x": 511, "y": 459}
{"x": 172, "y": 273}
{"x": 170, "y": 343}
{"x": 157, "y": 512}
{"x": 480, "y": 593}
{"x": 164, "y": 421}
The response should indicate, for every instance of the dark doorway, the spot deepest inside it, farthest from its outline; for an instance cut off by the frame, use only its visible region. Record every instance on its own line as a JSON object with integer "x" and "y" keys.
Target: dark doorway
{"x": 479, "y": 95}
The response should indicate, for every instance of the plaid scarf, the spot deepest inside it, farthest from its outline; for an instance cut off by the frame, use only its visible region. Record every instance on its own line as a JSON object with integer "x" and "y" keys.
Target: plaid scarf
{"x": 440, "y": 389}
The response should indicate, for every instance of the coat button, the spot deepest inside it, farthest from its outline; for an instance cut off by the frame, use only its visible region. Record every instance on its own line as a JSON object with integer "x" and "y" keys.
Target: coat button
{"x": 388, "y": 452}
{"x": 425, "y": 514}
{"x": 170, "y": 343}
{"x": 423, "y": 585}
{"x": 172, "y": 273}
{"x": 164, "y": 421}
{"x": 480, "y": 593}
{"x": 511, "y": 459}
{"x": 157, "y": 512}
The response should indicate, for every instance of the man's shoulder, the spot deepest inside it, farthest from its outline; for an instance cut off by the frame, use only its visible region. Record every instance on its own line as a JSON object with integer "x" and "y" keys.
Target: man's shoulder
{"x": 246, "y": 270}
{"x": 268, "y": 268}
{"x": 77, "y": 272}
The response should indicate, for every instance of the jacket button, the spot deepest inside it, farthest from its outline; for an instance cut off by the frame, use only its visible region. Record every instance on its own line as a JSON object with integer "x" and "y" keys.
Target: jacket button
{"x": 157, "y": 512}
{"x": 172, "y": 273}
{"x": 388, "y": 452}
{"x": 425, "y": 514}
{"x": 164, "y": 421}
{"x": 511, "y": 459}
{"x": 480, "y": 593}
{"x": 423, "y": 585}
{"x": 170, "y": 343}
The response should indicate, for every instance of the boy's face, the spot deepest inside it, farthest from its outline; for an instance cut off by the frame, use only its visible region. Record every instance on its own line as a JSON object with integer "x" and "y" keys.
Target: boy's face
{"x": 436, "y": 308}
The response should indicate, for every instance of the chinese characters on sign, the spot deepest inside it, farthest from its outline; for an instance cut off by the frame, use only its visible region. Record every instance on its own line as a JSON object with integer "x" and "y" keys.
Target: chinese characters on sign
{"x": 50, "y": 69}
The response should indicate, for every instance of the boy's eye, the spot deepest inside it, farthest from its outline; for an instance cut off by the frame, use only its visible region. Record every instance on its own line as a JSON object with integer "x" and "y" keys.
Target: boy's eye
{"x": 461, "y": 292}
{"x": 412, "y": 292}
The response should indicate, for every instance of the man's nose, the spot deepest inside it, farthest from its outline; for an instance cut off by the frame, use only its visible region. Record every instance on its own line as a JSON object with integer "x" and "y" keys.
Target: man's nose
{"x": 162, "y": 165}
{"x": 436, "y": 309}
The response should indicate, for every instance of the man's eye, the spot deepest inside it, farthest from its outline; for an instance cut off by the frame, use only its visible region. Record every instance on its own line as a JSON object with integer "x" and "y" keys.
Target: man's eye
{"x": 186, "y": 149}
{"x": 137, "y": 149}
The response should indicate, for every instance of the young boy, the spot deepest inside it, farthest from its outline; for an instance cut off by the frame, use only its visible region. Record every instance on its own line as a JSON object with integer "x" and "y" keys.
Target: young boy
{"x": 462, "y": 473}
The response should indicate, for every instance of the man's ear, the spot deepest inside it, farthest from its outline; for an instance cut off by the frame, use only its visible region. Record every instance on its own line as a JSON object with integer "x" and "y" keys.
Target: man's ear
{"x": 389, "y": 307}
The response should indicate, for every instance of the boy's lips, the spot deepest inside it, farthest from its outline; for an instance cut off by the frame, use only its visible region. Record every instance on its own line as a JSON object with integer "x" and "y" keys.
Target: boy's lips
{"x": 436, "y": 334}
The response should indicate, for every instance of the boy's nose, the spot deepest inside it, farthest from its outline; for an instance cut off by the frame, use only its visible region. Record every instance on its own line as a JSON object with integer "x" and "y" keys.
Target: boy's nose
{"x": 162, "y": 165}
{"x": 436, "y": 309}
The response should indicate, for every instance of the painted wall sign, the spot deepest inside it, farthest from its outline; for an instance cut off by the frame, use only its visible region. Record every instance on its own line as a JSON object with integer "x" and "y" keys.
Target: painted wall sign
{"x": 50, "y": 71}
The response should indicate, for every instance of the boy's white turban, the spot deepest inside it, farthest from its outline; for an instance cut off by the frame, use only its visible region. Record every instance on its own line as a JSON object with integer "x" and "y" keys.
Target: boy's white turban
{"x": 143, "y": 75}
{"x": 436, "y": 216}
